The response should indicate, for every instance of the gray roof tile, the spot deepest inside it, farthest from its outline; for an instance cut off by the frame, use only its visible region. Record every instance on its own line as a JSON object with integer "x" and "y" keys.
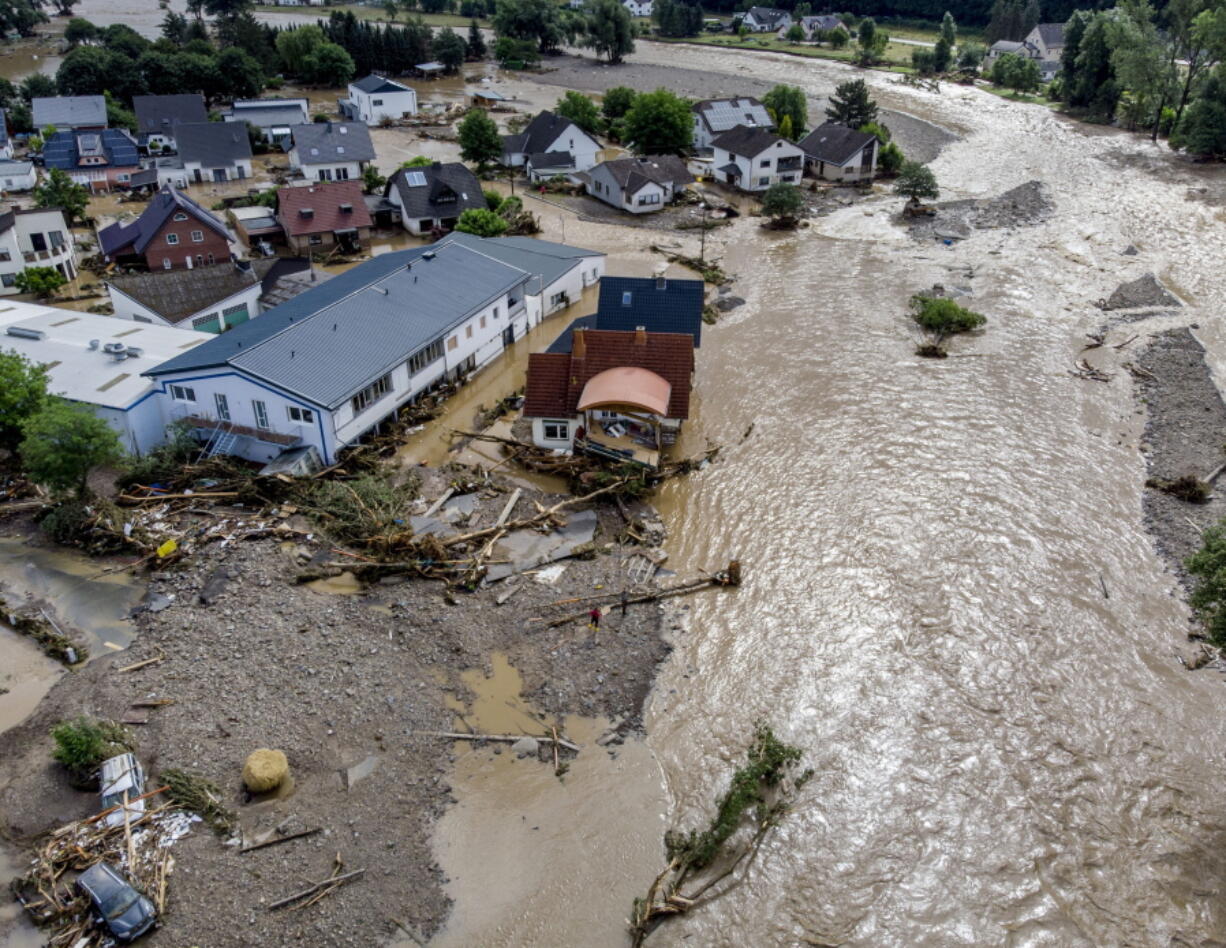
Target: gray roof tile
{"x": 213, "y": 144}
{"x": 321, "y": 142}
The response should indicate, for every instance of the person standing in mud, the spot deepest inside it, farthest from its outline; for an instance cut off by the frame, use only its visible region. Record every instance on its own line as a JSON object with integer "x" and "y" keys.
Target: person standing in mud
{"x": 593, "y": 619}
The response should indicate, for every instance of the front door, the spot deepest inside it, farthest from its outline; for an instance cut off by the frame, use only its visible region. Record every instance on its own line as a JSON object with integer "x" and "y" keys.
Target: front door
{"x": 508, "y": 335}
{"x": 219, "y": 174}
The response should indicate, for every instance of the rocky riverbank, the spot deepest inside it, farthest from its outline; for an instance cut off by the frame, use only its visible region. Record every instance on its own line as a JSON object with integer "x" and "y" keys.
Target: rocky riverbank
{"x": 348, "y": 681}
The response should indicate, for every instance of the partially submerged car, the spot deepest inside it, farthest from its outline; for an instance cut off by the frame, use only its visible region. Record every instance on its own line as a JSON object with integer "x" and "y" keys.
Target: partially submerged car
{"x": 117, "y": 906}
{"x": 123, "y": 781}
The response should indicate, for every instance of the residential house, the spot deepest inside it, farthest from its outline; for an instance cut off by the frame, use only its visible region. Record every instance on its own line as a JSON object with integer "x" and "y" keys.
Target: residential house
{"x": 69, "y": 113}
{"x": 325, "y": 369}
{"x": 208, "y": 299}
{"x": 323, "y": 215}
{"x": 658, "y": 304}
{"x": 214, "y": 151}
{"x": 331, "y": 151}
{"x": 753, "y": 159}
{"x": 432, "y": 198}
{"x": 98, "y": 361}
{"x": 1047, "y": 40}
{"x": 617, "y": 395}
{"x": 17, "y": 175}
{"x": 100, "y": 160}
{"x": 1016, "y": 47}
{"x": 6, "y": 143}
{"x": 34, "y": 237}
{"x": 157, "y": 116}
{"x": 715, "y": 116}
{"x": 375, "y": 98}
{"x": 548, "y": 134}
{"x": 639, "y": 185}
{"x": 838, "y": 153}
{"x": 559, "y": 272}
{"x": 173, "y": 231}
{"x": 816, "y": 25}
{"x": 638, "y": 7}
{"x": 550, "y": 164}
{"x": 766, "y": 20}
{"x": 274, "y": 117}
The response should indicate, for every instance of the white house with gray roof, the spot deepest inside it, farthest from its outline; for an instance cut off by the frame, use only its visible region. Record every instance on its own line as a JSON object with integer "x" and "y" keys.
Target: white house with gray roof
{"x": 274, "y": 117}
{"x": 375, "y": 98}
{"x": 753, "y": 159}
{"x": 17, "y": 175}
{"x": 213, "y": 151}
{"x": 70, "y": 113}
{"x": 324, "y": 369}
{"x": 715, "y": 116}
{"x": 331, "y": 151}
{"x": 434, "y": 196}
{"x": 766, "y": 20}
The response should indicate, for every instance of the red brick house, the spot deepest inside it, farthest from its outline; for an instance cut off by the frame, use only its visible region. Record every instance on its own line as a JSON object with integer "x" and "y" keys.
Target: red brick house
{"x": 324, "y": 214}
{"x": 172, "y": 232}
{"x": 618, "y": 395}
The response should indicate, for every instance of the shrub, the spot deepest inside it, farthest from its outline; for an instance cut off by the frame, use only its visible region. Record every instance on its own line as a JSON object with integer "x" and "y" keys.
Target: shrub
{"x": 1208, "y": 599}
{"x": 163, "y": 463}
{"x": 941, "y": 318}
{"x": 481, "y": 222}
{"x": 493, "y": 200}
{"x": 82, "y": 744}
{"x": 65, "y": 523}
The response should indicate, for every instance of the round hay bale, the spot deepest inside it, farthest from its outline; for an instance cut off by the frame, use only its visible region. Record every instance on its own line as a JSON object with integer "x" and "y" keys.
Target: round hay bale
{"x": 264, "y": 770}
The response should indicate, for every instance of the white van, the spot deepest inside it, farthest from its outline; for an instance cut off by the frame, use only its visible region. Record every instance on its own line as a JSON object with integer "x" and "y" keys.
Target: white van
{"x": 122, "y": 780}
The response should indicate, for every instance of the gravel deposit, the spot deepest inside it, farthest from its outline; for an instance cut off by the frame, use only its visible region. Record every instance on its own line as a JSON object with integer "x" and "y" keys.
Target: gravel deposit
{"x": 1142, "y": 292}
{"x": 333, "y": 681}
{"x": 1024, "y": 206}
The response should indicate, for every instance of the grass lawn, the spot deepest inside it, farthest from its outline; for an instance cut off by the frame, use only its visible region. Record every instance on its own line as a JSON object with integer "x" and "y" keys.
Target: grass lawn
{"x": 372, "y": 13}
{"x": 897, "y": 55}
{"x": 1029, "y": 99}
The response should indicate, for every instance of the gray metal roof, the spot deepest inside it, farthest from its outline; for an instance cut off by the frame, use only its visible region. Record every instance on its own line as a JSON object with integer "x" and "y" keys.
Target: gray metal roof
{"x": 723, "y": 114}
{"x": 334, "y": 352}
{"x": 213, "y": 144}
{"x": 373, "y": 83}
{"x": 15, "y": 167}
{"x": 333, "y": 141}
{"x": 70, "y": 111}
{"x": 547, "y": 262}
{"x": 156, "y": 114}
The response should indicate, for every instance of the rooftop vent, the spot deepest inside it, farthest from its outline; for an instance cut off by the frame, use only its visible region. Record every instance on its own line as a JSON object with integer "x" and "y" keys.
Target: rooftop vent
{"x": 429, "y": 255}
{"x": 306, "y": 212}
{"x": 95, "y": 343}
{"x": 343, "y": 129}
{"x": 135, "y": 352}
{"x": 115, "y": 348}
{"x": 21, "y": 332}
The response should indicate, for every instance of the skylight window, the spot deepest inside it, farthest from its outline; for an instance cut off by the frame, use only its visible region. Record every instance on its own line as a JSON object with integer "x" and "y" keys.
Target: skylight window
{"x": 416, "y": 179}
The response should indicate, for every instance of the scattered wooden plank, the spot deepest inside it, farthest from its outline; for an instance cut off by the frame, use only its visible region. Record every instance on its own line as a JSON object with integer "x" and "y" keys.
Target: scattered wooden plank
{"x": 500, "y": 738}
{"x": 160, "y": 657}
{"x": 438, "y": 503}
{"x": 327, "y": 883}
{"x": 280, "y": 839}
{"x": 506, "y": 511}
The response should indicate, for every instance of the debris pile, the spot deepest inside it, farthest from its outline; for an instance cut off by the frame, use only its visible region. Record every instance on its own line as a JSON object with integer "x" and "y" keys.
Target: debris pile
{"x": 1145, "y": 291}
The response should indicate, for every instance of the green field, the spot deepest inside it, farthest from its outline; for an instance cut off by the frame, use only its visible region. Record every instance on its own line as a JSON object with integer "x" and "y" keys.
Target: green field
{"x": 897, "y": 55}
{"x": 371, "y": 13}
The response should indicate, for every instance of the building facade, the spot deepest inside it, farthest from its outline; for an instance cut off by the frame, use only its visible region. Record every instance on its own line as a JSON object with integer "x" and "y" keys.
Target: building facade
{"x": 37, "y": 237}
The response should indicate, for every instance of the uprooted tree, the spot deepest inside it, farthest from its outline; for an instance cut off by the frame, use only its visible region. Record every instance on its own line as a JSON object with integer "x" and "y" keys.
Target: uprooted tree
{"x": 1208, "y": 599}
{"x": 941, "y": 318}
{"x": 758, "y": 796}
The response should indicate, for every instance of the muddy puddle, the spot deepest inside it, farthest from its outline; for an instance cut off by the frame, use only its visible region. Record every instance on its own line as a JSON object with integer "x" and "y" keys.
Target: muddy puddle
{"x": 26, "y": 675}
{"x": 515, "y": 823}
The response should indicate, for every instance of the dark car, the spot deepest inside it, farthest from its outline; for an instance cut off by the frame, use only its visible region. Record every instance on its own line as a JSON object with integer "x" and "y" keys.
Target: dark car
{"x": 123, "y": 911}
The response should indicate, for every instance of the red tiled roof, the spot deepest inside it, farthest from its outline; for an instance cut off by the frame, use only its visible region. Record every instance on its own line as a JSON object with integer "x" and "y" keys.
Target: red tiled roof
{"x": 324, "y": 199}
{"x": 556, "y": 379}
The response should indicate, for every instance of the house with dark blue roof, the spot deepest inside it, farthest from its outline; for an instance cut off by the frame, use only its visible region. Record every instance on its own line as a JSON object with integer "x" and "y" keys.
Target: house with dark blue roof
{"x": 631, "y": 303}
{"x": 100, "y": 159}
{"x": 325, "y": 369}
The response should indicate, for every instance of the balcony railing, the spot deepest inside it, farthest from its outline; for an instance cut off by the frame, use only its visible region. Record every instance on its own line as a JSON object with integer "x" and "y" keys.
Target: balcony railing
{"x": 208, "y": 422}
{"x": 33, "y": 256}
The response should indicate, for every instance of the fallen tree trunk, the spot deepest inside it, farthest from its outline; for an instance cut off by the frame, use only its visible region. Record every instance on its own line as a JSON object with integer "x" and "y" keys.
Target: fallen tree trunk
{"x": 724, "y": 578}
{"x": 501, "y": 738}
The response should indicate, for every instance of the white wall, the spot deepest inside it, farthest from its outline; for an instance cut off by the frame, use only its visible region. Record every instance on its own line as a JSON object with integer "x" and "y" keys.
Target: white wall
{"x": 395, "y": 105}
{"x": 191, "y": 168}
{"x": 20, "y": 182}
{"x": 756, "y": 176}
{"x": 18, "y": 241}
{"x": 352, "y": 170}
{"x": 128, "y": 308}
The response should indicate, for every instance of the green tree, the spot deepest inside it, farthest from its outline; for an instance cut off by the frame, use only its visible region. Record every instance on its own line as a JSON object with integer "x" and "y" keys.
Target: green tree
{"x": 23, "y": 391}
{"x": 795, "y": 33}
{"x": 117, "y": 116}
{"x": 1020, "y": 73}
{"x": 916, "y": 181}
{"x": 949, "y": 29}
{"x": 872, "y": 42}
{"x": 677, "y": 17}
{"x": 659, "y": 123}
{"x": 241, "y": 75}
{"x": 38, "y": 86}
{"x": 482, "y": 222}
{"x": 942, "y": 55}
{"x": 121, "y": 38}
{"x": 1197, "y": 29}
{"x": 839, "y": 38}
{"x": 226, "y": 9}
{"x": 417, "y": 161}
{"x": 64, "y": 7}
{"x": 372, "y": 181}
{"x": 59, "y": 190}
{"x": 1089, "y": 80}
{"x": 1202, "y": 128}
{"x": 479, "y": 138}
{"x": 174, "y": 28}
{"x": 537, "y": 21}
{"x": 40, "y": 281}
{"x": 970, "y": 55}
{"x": 516, "y": 53}
{"x": 475, "y": 46}
{"x": 1208, "y": 600}
{"x": 788, "y": 102}
{"x": 294, "y": 46}
{"x": 617, "y": 101}
{"x": 609, "y": 30}
{"x": 449, "y": 48}
{"x": 579, "y": 109}
{"x": 851, "y": 105}
{"x": 329, "y": 65}
{"x": 80, "y": 31}
{"x": 62, "y": 442}
{"x": 924, "y": 61}
{"x": 889, "y": 155}
{"x": 391, "y": 8}
{"x": 783, "y": 204}
{"x": 941, "y": 318}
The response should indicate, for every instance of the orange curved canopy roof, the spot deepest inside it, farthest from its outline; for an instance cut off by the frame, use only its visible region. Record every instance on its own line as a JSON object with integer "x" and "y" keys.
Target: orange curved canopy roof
{"x": 627, "y": 385}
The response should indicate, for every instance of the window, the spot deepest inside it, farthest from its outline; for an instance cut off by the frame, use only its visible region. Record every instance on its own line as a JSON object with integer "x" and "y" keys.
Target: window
{"x": 424, "y": 357}
{"x": 342, "y": 174}
{"x": 182, "y": 393}
{"x": 764, "y": 182}
{"x": 166, "y": 263}
{"x": 197, "y": 236}
{"x": 57, "y": 239}
{"x": 207, "y": 323}
{"x": 376, "y": 101}
{"x": 302, "y": 415}
{"x": 315, "y": 239}
{"x": 371, "y": 393}
{"x": 452, "y": 343}
{"x": 558, "y": 299}
{"x": 180, "y": 217}
{"x": 5, "y": 255}
{"x": 223, "y": 406}
{"x": 38, "y": 242}
{"x": 172, "y": 239}
{"x": 648, "y": 199}
{"x": 123, "y": 178}
{"x": 556, "y": 430}
{"x": 211, "y": 259}
{"x": 482, "y": 322}
{"x": 468, "y": 331}
{"x": 261, "y": 414}
{"x": 200, "y": 260}
{"x": 8, "y": 279}
{"x": 789, "y": 177}
{"x": 764, "y": 163}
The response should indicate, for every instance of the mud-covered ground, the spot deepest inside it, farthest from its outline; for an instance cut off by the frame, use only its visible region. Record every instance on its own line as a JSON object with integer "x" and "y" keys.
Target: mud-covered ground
{"x": 919, "y": 140}
{"x": 334, "y": 680}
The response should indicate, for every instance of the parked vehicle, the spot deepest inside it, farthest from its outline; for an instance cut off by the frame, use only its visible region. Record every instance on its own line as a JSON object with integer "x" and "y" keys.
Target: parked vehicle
{"x": 117, "y": 906}
{"x": 122, "y": 780}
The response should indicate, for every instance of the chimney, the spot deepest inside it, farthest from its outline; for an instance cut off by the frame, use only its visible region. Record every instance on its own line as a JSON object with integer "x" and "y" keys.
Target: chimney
{"x": 578, "y": 349}
{"x": 640, "y": 335}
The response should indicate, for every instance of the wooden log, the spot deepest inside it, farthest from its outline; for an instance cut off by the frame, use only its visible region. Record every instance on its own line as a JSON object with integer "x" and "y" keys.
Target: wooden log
{"x": 128, "y": 498}
{"x": 335, "y": 880}
{"x": 500, "y": 738}
{"x": 280, "y": 839}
